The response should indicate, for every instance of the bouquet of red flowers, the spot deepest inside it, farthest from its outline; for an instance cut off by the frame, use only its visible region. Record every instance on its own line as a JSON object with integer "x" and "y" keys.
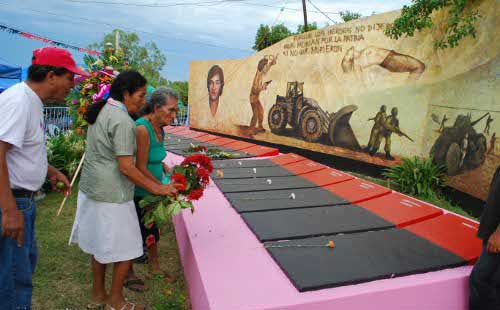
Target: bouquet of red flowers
{"x": 192, "y": 177}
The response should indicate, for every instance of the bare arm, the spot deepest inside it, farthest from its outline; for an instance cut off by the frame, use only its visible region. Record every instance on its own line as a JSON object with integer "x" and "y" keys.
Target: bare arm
{"x": 57, "y": 176}
{"x": 12, "y": 219}
{"x": 143, "y": 145}
{"x": 127, "y": 168}
{"x": 166, "y": 168}
{"x": 494, "y": 242}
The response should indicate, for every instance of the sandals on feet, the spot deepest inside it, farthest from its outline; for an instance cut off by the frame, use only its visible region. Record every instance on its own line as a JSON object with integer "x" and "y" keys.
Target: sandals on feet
{"x": 162, "y": 275}
{"x": 95, "y": 306}
{"x": 135, "y": 285}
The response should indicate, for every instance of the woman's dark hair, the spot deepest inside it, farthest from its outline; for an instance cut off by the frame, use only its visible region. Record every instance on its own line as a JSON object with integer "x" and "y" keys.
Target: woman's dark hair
{"x": 38, "y": 73}
{"x": 158, "y": 99}
{"x": 129, "y": 81}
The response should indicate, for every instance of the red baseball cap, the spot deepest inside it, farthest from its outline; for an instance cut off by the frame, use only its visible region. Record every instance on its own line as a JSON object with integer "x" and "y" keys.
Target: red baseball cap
{"x": 56, "y": 57}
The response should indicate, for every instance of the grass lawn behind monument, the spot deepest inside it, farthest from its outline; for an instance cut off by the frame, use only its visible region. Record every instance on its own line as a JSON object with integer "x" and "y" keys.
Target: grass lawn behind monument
{"x": 63, "y": 278}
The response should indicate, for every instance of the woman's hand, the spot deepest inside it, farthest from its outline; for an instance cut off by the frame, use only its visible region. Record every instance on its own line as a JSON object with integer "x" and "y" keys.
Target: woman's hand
{"x": 167, "y": 190}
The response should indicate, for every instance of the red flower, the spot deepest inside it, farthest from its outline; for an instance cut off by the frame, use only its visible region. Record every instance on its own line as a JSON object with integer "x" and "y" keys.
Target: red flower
{"x": 179, "y": 179}
{"x": 150, "y": 240}
{"x": 195, "y": 194}
{"x": 203, "y": 176}
{"x": 199, "y": 160}
{"x": 209, "y": 167}
{"x": 200, "y": 148}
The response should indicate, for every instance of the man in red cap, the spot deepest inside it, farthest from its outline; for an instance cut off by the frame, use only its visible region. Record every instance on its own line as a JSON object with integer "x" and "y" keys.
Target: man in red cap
{"x": 24, "y": 167}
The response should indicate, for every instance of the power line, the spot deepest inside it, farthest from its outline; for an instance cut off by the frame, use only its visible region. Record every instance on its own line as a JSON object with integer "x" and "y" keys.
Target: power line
{"x": 156, "y": 5}
{"x": 199, "y": 4}
{"x": 92, "y": 21}
{"x": 321, "y": 11}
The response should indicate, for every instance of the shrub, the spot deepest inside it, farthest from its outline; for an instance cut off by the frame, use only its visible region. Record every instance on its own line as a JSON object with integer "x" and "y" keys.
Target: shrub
{"x": 64, "y": 152}
{"x": 417, "y": 176}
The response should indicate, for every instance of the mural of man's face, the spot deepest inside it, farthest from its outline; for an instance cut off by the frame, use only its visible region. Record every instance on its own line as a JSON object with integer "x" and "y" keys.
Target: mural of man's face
{"x": 214, "y": 87}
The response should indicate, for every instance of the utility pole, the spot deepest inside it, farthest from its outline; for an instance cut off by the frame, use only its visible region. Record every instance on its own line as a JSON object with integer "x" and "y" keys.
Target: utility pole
{"x": 117, "y": 40}
{"x": 305, "y": 14}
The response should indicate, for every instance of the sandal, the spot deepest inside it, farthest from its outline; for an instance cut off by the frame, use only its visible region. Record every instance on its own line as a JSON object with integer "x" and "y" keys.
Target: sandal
{"x": 125, "y": 307}
{"x": 162, "y": 275}
{"x": 132, "y": 284}
{"x": 95, "y": 306}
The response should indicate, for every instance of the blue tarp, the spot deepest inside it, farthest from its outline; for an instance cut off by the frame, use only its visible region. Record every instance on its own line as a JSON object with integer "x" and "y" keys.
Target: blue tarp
{"x": 10, "y": 75}
{"x": 10, "y": 72}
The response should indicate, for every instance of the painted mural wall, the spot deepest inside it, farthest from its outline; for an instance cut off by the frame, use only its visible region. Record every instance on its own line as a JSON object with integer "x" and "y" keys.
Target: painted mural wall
{"x": 351, "y": 91}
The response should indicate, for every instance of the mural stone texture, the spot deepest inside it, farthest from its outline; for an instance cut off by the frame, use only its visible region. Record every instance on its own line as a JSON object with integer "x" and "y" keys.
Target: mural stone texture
{"x": 351, "y": 91}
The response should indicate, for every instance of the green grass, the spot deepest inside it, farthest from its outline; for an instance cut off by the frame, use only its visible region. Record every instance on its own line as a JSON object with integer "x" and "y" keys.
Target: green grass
{"x": 63, "y": 277}
{"x": 439, "y": 200}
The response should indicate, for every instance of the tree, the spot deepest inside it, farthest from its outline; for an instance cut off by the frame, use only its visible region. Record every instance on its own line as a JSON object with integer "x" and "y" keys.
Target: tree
{"x": 267, "y": 36}
{"x": 310, "y": 27}
{"x": 417, "y": 16}
{"x": 147, "y": 59}
{"x": 348, "y": 15}
{"x": 181, "y": 87}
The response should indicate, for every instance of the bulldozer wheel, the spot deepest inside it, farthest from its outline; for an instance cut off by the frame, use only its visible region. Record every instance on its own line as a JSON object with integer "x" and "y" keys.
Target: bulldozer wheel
{"x": 453, "y": 156}
{"x": 479, "y": 156}
{"x": 310, "y": 126}
{"x": 277, "y": 118}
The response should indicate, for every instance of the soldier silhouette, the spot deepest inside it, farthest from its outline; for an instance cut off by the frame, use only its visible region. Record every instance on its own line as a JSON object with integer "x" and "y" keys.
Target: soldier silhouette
{"x": 463, "y": 148}
{"x": 488, "y": 124}
{"x": 379, "y": 119}
{"x": 443, "y": 121}
{"x": 389, "y": 126}
{"x": 493, "y": 141}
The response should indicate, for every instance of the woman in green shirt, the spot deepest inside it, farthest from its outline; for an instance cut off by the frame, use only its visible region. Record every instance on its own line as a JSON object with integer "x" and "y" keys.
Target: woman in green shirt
{"x": 159, "y": 112}
{"x": 106, "y": 224}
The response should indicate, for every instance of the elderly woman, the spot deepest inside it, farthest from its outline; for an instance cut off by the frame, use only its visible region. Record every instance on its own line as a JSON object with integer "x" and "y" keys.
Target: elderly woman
{"x": 106, "y": 224}
{"x": 159, "y": 112}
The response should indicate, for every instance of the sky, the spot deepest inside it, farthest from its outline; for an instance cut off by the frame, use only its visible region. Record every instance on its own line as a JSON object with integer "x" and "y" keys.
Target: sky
{"x": 184, "y": 30}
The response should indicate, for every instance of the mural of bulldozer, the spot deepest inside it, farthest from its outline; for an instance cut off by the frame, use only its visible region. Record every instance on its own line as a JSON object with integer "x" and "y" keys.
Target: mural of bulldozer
{"x": 309, "y": 121}
{"x": 460, "y": 148}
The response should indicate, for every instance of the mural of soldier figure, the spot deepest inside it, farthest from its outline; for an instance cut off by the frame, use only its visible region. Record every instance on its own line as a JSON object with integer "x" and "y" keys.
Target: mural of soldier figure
{"x": 443, "y": 122}
{"x": 389, "y": 126}
{"x": 357, "y": 61}
{"x": 489, "y": 120}
{"x": 379, "y": 120}
{"x": 463, "y": 148}
{"x": 493, "y": 140}
{"x": 259, "y": 85}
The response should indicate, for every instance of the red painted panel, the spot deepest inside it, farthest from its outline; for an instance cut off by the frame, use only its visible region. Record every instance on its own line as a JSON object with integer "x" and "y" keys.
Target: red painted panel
{"x": 358, "y": 190}
{"x": 304, "y": 166}
{"x": 454, "y": 233}
{"x": 206, "y": 138}
{"x": 239, "y": 145}
{"x": 401, "y": 210}
{"x": 222, "y": 141}
{"x": 327, "y": 176}
{"x": 286, "y": 159}
{"x": 193, "y": 134}
{"x": 259, "y": 150}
